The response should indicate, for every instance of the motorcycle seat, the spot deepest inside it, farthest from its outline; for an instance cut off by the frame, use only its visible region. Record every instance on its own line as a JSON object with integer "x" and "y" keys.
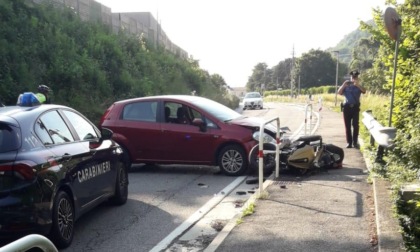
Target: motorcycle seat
{"x": 310, "y": 138}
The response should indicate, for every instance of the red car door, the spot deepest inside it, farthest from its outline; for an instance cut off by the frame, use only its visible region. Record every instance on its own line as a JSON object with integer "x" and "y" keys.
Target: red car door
{"x": 186, "y": 143}
{"x": 140, "y": 132}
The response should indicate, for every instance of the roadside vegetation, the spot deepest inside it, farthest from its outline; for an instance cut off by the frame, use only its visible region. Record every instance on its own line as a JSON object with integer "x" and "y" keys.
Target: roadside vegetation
{"x": 250, "y": 209}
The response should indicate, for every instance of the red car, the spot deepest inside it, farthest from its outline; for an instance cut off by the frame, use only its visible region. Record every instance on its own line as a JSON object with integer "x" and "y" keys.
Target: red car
{"x": 182, "y": 129}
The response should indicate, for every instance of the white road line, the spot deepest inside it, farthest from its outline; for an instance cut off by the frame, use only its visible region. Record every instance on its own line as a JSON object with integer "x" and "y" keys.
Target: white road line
{"x": 162, "y": 245}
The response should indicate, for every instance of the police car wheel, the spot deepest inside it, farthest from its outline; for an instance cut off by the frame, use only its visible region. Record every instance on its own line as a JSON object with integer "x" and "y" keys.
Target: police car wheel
{"x": 121, "y": 187}
{"x": 62, "y": 220}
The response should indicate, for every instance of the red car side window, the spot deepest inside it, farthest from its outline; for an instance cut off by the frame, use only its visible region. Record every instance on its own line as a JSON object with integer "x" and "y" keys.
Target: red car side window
{"x": 140, "y": 111}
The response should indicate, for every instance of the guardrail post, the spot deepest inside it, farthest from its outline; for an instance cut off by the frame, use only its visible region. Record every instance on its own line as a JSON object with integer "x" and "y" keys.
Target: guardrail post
{"x": 383, "y": 136}
{"x": 380, "y": 154}
{"x": 261, "y": 153}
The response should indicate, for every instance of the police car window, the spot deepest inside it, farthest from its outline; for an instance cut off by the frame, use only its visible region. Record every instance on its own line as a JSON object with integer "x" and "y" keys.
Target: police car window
{"x": 140, "y": 111}
{"x": 42, "y": 133}
{"x": 83, "y": 128}
{"x": 8, "y": 138}
{"x": 55, "y": 127}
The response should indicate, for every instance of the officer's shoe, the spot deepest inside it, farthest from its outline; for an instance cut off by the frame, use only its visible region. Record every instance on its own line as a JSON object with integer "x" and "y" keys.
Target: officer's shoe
{"x": 349, "y": 145}
{"x": 357, "y": 146}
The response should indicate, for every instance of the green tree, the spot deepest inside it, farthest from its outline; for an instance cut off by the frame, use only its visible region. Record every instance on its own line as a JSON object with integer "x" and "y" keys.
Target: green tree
{"x": 258, "y": 77}
{"x": 282, "y": 74}
{"x": 316, "y": 68}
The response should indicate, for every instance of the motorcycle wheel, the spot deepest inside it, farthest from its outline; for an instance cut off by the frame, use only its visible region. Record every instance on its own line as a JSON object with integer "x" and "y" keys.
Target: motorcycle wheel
{"x": 298, "y": 171}
{"x": 269, "y": 160}
{"x": 338, "y": 151}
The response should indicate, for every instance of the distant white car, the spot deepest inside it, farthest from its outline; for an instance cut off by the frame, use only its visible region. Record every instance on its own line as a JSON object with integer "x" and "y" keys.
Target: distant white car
{"x": 253, "y": 100}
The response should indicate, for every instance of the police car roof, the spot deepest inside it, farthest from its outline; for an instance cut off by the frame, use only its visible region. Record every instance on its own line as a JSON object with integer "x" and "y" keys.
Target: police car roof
{"x": 21, "y": 113}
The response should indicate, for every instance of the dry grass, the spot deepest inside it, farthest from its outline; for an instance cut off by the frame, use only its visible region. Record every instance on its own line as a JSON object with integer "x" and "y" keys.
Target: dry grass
{"x": 378, "y": 104}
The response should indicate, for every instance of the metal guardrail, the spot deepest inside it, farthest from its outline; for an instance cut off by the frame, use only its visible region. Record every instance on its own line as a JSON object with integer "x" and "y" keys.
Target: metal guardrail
{"x": 383, "y": 136}
{"x": 28, "y": 242}
{"x": 261, "y": 152}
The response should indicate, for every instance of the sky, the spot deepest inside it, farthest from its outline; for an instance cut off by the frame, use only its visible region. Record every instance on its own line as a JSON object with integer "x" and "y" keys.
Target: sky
{"x": 230, "y": 37}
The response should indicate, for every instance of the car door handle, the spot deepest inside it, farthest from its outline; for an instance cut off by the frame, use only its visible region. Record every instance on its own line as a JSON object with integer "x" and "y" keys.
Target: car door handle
{"x": 66, "y": 157}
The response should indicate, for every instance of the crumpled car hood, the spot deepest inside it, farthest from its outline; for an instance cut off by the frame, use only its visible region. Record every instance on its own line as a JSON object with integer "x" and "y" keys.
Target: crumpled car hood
{"x": 253, "y": 122}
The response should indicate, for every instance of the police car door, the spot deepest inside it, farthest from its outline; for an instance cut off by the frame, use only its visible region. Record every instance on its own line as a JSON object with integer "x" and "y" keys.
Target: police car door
{"x": 100, "y": 170}
{"x": 69, "y": 154}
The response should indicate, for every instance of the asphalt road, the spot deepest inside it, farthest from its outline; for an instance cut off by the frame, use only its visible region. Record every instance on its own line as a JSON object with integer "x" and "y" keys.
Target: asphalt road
{"x": 165, "y": 201}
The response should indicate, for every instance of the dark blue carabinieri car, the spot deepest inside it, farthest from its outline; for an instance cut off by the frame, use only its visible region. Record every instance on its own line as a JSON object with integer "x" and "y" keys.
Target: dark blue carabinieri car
{"x": 55, "y": 165}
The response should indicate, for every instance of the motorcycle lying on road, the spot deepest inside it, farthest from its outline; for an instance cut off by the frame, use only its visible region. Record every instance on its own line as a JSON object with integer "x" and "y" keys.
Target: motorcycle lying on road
{"x": 303, "y": 155}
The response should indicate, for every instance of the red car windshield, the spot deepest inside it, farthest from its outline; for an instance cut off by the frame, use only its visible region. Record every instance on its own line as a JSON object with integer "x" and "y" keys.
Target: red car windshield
{"x": 216, "y": 109}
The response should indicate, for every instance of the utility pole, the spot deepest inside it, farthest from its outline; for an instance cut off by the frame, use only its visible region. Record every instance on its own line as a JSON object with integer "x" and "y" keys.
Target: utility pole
{"x": 336, "y": 78}
{"x": 292, "y": 72}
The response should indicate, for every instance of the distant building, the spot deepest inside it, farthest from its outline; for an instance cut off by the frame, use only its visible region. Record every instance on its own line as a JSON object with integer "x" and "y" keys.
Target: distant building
{"x": 142, "y": 24}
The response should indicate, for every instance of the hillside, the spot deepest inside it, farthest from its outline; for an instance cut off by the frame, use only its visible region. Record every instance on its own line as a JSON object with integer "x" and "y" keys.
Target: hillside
{"x": 87, "y": 66}
{"x": 347, "y": 44}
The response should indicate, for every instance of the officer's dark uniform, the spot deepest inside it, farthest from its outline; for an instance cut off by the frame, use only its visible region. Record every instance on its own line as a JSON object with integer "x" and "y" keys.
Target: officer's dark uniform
{"x": 351, "y": 111}
{"x": 352, "y": 90}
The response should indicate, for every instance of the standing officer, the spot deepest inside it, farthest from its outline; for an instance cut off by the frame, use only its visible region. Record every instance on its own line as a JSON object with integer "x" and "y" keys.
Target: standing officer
{"x": 43, "y": 94}
{"x": 31, "y": 99}
{"x": 351, "y": 90}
